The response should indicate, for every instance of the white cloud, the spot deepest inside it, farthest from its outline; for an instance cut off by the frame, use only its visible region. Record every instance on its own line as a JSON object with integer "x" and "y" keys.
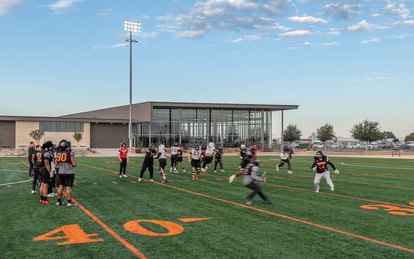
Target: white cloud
{"x": 190, "y": 34}
{"x": 296, "y": 33}
{"x": 148, "y": 34}
{"x": 212, "y": 15}
{"x": 333, "y": 32}
{"x": 250, "y": 37}
{"x": 62, "y": 5}
{"x": 406, "y": 22}
{"x": 377, "y": 78}
{"x": 342, "y": 11}
{"x": 397, "y": 8}
{"x": 328, "y": 44}
{"x": 370, "y": 40}
{"x": 113, "y": 46}
{"x": 364, "y": 26}
{"x": 307, "y": 19}
{"x": 7, "y": 5}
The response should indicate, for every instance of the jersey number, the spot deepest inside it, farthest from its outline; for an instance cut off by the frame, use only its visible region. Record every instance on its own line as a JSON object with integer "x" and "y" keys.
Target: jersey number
{"x": 61, "y": 157}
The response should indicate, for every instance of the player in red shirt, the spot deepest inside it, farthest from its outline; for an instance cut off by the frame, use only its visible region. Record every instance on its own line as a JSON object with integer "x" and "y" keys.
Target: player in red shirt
{"x": 123, "y": 159}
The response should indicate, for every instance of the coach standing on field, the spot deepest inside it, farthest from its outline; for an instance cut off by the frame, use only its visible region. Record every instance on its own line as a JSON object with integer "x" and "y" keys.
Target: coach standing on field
{"x": 30, "y": 153}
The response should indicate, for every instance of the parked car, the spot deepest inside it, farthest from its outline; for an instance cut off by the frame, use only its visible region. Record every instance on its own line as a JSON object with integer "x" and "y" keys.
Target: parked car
{"x": 408, "y": 145}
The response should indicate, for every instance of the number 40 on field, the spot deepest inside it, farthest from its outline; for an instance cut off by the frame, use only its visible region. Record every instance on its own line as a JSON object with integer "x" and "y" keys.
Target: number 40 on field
{"x": 74, "y": 234}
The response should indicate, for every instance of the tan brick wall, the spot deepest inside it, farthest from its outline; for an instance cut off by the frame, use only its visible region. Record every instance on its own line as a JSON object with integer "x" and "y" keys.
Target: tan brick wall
{"x": 23, "y": 128}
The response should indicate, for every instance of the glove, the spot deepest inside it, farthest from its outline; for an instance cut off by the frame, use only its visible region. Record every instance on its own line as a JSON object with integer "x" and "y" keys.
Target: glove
{"x": 314, "y": 169}
{"x": 336, "y": 171}
{"x": 231, "y": 178}
{"x": 264, "y": 179}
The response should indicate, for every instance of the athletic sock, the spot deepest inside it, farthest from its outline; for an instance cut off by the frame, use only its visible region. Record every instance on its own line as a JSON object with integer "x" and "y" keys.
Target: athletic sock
{"x": 69, "y": 201}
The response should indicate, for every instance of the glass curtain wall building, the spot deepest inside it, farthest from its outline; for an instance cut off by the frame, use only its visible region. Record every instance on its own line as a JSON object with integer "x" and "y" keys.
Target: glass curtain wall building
{"x": 225, "y": 124}
{"x": 225, "y": 127}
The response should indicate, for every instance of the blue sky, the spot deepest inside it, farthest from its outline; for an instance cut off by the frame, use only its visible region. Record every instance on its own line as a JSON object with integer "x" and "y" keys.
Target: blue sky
{"x": 341, "y": 61}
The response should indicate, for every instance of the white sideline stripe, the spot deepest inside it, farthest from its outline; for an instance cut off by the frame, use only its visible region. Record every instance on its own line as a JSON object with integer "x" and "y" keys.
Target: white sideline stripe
{"x": 381, "y": 167}
{"x": 3, "y": 184}
{"x": 8, "y": 170}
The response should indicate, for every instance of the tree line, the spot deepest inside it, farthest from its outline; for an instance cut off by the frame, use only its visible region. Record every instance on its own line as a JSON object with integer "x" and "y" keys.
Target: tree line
{"x": 366, "y": 131}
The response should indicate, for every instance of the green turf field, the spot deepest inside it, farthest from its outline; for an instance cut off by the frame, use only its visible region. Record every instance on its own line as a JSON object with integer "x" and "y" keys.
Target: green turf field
{"x": 123, "y": 218}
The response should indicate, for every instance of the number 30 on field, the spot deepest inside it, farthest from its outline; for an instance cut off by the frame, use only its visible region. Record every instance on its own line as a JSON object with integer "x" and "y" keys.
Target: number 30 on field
{"x": 74, "y": 234}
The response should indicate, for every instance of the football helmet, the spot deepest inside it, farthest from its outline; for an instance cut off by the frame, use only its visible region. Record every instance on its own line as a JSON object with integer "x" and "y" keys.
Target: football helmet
{"x": 197, "y": 147}
{"x": 123, "y": 144}
{"x": 160, "y": 147}
{"x": 242, "y": 146}
{"x": 63, "y": 145}
{"x": 211, "y": 144}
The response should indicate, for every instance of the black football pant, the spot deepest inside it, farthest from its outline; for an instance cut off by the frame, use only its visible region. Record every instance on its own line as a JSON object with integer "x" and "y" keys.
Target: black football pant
{"x": 122, "y": 166}
{"x": 36, "y": 178}
{"x": 287, "y": 162}
{"x": 256, "y": 190}
{"x": 218, "y": 161}
{"x": 31, "y": 173}
{"x": 150, "y": 167}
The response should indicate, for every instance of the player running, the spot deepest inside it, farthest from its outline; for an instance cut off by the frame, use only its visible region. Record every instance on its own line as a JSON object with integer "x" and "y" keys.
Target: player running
{"x": 218, "y": 154}
{"x": 251, "y": 175}
{"x": 320, "y": 166}
{"x": 180, "y": 152}
{"x": 208, "y": 156}
{"x": 285, "y": 157}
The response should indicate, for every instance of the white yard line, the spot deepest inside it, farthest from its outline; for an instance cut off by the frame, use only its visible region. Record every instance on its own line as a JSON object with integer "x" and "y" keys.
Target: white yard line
{"x": 3, "y": 184}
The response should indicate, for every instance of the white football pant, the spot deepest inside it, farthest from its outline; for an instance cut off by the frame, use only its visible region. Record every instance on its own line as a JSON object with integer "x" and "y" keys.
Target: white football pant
{"x": 318, "y": 177}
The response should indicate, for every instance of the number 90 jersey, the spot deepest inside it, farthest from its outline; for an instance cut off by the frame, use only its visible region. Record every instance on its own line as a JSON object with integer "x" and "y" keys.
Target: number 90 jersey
{"x": 63, "y": 161}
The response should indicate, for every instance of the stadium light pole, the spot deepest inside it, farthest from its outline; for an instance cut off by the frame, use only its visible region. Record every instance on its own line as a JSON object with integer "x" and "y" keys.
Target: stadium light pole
{"x": 131, "y": 26}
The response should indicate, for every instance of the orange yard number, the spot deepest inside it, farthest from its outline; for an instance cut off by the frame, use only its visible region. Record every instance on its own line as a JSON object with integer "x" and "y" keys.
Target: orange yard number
{"x": 75, "y": 235}
{"x": 72, "y": 233}
{"x": 391, "y": 209}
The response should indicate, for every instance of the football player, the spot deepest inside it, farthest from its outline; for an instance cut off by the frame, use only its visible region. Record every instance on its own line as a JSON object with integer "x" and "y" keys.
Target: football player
{"x": 180, "y": 152}
{"x": 162, "y": 159}
{"x": 45, "y": 170}
{"x": 148, "y": 162}
{"x": 174, "y": 162}
{"x": 242, "y": 154}
{"x": 218, "y": 154}
{"x": 208, "y": 156}
{"x": 123, "y": 159}
{"x": 65, "y": 162}
{"x": 320, "y": 166}
{"x": 195, "y": 159}
{"x": 251, "y": 175}
{"x": 285, "y": 157}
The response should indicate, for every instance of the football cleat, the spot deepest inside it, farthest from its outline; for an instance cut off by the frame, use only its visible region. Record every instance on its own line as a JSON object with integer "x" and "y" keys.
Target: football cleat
{"x": 290, "y": 172}
{"x": 59, "y": 203}
{"x": 277, "y": 168}
{"x": 332, "y": 188}
{"x": 71, "y": 204}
